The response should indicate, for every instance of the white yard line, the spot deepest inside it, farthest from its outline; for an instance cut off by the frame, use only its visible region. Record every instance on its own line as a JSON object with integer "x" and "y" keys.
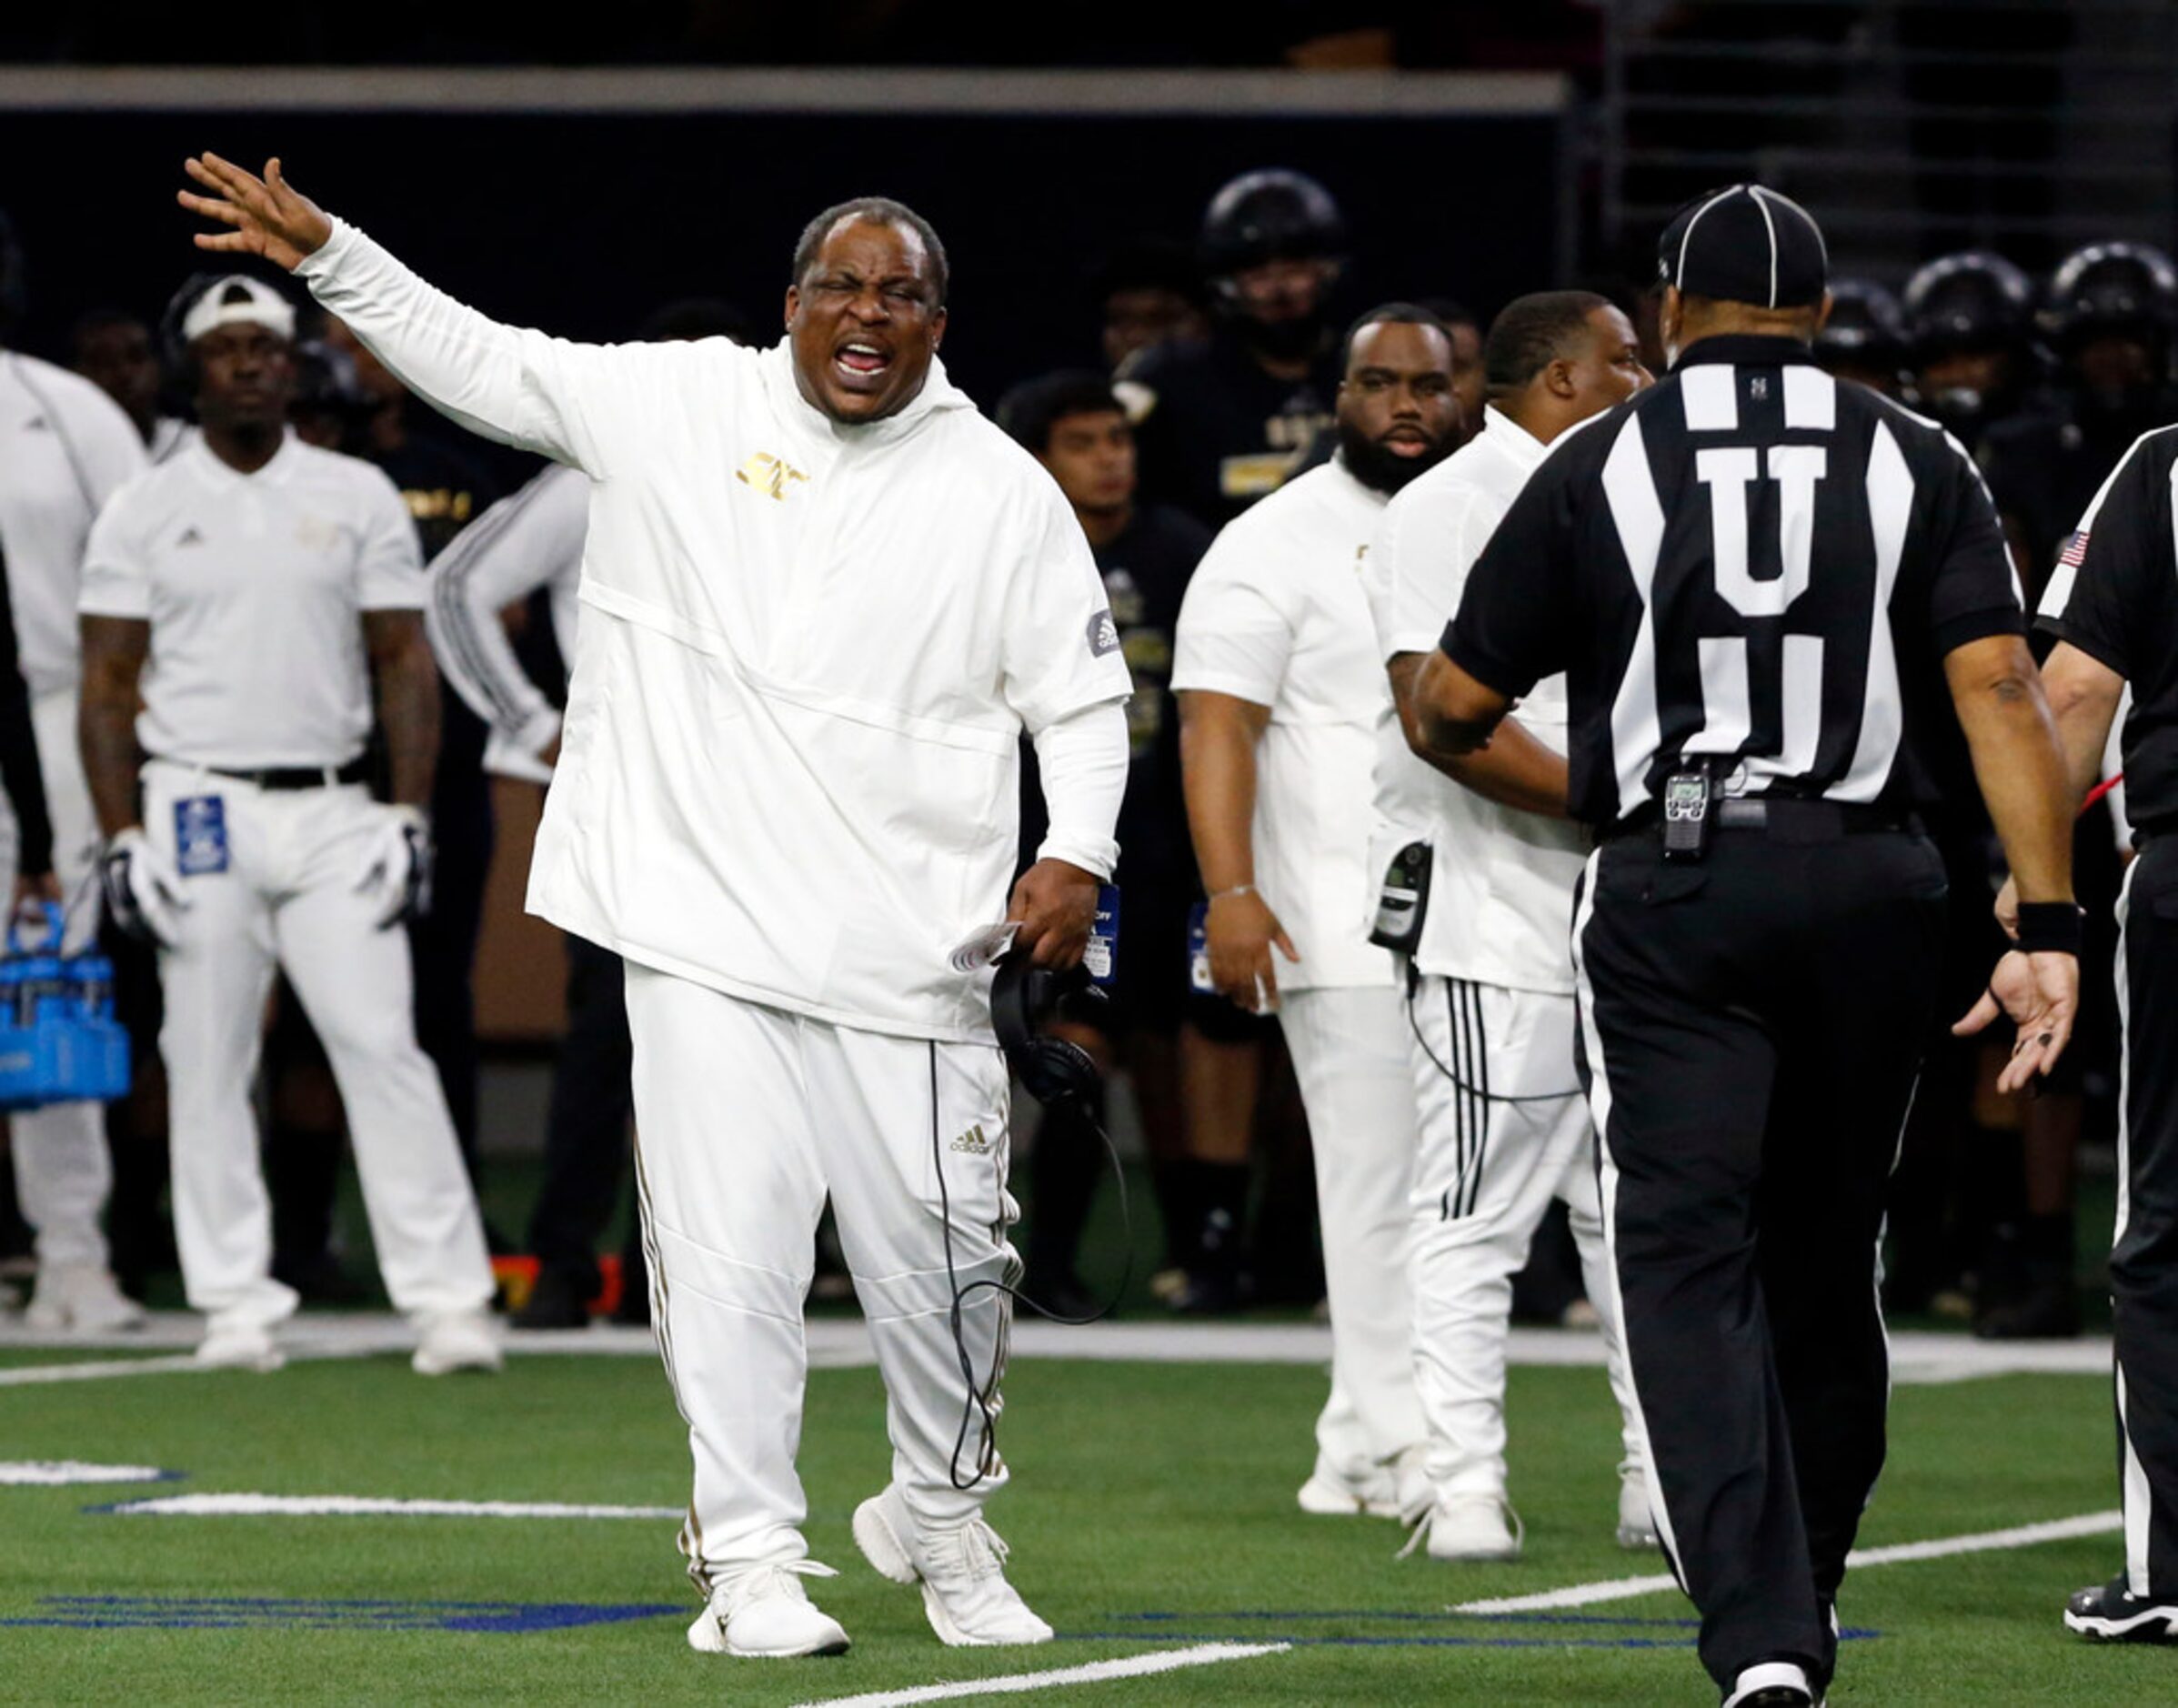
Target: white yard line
{"x": 369, "y": 1506}
{"x": 843, "y": 1343}
{"x": 95, "y": 1370}
{"x": 1983, "y": 1541}
{"x": 1095, "y": 1673}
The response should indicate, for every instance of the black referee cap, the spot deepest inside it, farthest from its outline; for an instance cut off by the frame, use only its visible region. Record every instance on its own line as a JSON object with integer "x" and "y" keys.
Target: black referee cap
{"x": 1745, "y": 244}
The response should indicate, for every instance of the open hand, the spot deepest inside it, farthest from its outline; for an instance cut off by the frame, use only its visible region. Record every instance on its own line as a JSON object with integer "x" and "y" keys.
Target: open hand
{"x": 1239, "y": 932}
{"x": 268, "y": 218}
{"x": 2040, "y": 996}
{"x": 1056, "y": 903}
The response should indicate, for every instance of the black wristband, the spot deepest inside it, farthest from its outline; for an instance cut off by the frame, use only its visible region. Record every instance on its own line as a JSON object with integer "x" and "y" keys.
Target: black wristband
{"x": 2049, "y": 927}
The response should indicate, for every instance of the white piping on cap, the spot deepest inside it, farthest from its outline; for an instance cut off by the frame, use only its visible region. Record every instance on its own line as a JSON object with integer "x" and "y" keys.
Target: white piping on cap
{"x": 1686, "y": 236}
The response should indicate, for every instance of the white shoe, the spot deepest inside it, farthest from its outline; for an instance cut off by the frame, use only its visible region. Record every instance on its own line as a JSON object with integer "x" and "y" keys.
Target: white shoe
{"x": 1469, "y": 1527}
{"x": 963, "y": 1569}
{"x": 84, "y": 1298}
{"x": 1772, "y": 1675}
{"x": 1328, "y": 1494}
{"x": 229, "y": 1345}
{"x": 456, "y": 1340}
{"x": 763, "y": 1612}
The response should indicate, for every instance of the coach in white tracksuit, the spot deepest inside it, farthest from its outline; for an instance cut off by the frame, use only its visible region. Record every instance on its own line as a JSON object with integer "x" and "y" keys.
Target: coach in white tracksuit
{"x": 251, "y": 592}
{"x": 65, "y": 448}
{"x": 1279, "y": 683}
{"x": 1489, "y": 989}
{"x": 823, "y": 597}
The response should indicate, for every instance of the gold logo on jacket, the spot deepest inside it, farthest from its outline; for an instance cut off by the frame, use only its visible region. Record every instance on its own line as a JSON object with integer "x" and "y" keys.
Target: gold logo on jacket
{"x": 768, "y": 473}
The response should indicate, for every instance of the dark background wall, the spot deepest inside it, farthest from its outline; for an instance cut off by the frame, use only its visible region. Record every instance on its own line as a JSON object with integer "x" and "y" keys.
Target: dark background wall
{"x": 582, "y": 224}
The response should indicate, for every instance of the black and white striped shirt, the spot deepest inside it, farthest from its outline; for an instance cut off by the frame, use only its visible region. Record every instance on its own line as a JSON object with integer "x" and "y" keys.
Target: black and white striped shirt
{"x": 2114, "y": 595}
{"x": 1752, "y": 566}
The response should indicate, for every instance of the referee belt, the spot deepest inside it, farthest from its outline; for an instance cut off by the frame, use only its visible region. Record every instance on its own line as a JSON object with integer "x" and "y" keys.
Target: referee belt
{"x": 297, "y": 776}
{"x": 1803, "y": 820}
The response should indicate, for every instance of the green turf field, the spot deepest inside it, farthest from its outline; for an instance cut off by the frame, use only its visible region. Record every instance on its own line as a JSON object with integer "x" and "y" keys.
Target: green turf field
{"x": 1141, "y": 1489}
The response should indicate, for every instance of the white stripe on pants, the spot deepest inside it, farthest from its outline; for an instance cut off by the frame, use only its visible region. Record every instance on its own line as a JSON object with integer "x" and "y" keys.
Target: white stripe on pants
{"x": 1349, "y": 1057}
{"x": 746, "y": 1117}
{"x": 1504, "y": 1130}
{"x": 63, "y": 1169}
{"x": 288, "y": 900}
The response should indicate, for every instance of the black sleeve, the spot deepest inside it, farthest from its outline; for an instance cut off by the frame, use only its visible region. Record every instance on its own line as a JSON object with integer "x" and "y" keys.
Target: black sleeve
{"x": 1972, "y": 592}
{"x": 2116, "y": 561}
{"x": 1510, "y": 630}
{"x": 19, "y": 770}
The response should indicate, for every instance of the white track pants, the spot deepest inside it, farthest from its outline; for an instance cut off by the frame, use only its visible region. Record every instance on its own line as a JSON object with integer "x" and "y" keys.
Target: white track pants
{"x": 63, "y": 1169}
{"x": 288, "y": 901}
{"x": 746, "y": 1117}
{"x": 1350, "y": 1056}
{"x": 1504, "y": 1130}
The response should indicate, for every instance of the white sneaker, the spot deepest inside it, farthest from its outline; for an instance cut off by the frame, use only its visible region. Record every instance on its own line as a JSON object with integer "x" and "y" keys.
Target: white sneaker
{"x": 229, "y": 1345}
{"x": 763, "y": 1612}
{"x": 456, "y": 1340}
{"x": 963, "y": 1569}
{"x": 1637, "y": 1524}
{"x": 82, "y": 1297}
{"x": 1783, "y": 1677}
{"x": 1328, "y": 1494}
{"x": 1469, "y": 1527}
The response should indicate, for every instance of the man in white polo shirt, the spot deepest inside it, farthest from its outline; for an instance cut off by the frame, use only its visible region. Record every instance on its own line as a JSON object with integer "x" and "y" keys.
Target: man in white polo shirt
{"x": 1490, "y": 984}
{"x": 65, "y": 448}
{"x": 254, "y": 593}
{"x": 1279, "y": 685}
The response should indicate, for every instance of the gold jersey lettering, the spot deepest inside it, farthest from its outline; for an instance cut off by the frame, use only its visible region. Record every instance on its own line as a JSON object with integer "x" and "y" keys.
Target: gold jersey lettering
{"x": 769, "y": 474}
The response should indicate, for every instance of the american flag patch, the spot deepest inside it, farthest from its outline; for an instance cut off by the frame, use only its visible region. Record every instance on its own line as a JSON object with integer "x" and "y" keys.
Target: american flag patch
{"x": 2075, "y": 549}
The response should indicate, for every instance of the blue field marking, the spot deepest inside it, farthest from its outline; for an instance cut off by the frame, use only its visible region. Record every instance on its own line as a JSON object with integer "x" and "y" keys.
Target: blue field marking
{"x": 1638, "y": 1633}
{"x": 263, "y": 1613}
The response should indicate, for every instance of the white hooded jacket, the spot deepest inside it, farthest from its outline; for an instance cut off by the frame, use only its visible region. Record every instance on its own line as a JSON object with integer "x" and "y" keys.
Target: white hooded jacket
{"x": 789, "y": 764}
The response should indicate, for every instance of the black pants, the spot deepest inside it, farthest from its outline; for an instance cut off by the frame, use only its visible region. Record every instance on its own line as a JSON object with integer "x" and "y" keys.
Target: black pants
{"x": 585, "y": 1133}
{"x": 1750, "y": 1029}
{"x": 2143, "y": 1265}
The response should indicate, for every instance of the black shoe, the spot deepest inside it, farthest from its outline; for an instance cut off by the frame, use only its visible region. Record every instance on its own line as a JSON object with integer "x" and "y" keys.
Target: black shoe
{"x": 1776, "y": 1696}
{"x": 2049, "y": 1310}
{"x": 2113, "y": 1613}
{"x": 1064, "y": 1297}
{"x": 557, "y": 1302}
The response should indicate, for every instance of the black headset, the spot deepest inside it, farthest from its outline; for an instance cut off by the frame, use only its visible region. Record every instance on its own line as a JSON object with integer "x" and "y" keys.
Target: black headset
{"x": 1024, "y": 999}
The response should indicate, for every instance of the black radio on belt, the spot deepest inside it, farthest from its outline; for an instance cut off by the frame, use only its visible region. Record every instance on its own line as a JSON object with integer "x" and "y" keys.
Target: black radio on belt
{"x": 1686, "y": 815}
{"x": 1404, "y": 900}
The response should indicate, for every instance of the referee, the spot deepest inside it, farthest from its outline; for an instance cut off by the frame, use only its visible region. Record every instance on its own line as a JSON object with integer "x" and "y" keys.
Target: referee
{"x": 2112, "y": 605}
{"x": 1762, "y": 583}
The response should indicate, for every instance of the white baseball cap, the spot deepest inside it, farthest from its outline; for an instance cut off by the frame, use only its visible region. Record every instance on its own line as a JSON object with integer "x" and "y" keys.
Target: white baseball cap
{"x": 238, "y": 300}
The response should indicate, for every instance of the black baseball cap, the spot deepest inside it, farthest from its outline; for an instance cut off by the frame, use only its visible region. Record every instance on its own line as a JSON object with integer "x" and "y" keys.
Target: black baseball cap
{"x": 1745, "y": 244}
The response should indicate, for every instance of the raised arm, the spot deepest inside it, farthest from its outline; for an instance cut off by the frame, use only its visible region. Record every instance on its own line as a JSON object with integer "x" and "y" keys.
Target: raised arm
{"x": 517, "y": 387}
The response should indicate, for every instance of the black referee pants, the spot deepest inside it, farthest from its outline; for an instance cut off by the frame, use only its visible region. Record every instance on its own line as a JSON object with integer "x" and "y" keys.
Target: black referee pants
{"x": 1750, "y": 1029}
{"x": 2143, "y": 1263}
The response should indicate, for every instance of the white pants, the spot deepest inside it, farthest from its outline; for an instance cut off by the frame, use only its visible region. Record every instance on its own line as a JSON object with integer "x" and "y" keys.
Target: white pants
{"x": 1349, "y": 1057}
{"x": 288, "y": 901}
{"x": 746, "y": 1117}
{"x": 1504, "y": 1130}
{"x": 63, "y": 1169}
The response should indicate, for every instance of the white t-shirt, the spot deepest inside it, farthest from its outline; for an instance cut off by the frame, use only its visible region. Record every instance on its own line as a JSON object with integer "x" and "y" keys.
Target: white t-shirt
{"x": 1276, "y": 615}
{"x": 529, "y": 539}
{"x": 789, "y": 767}
{"x": 1500, "y": 903}
{"x": 254, "y": 586}
{"x": 65, "y": 448}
